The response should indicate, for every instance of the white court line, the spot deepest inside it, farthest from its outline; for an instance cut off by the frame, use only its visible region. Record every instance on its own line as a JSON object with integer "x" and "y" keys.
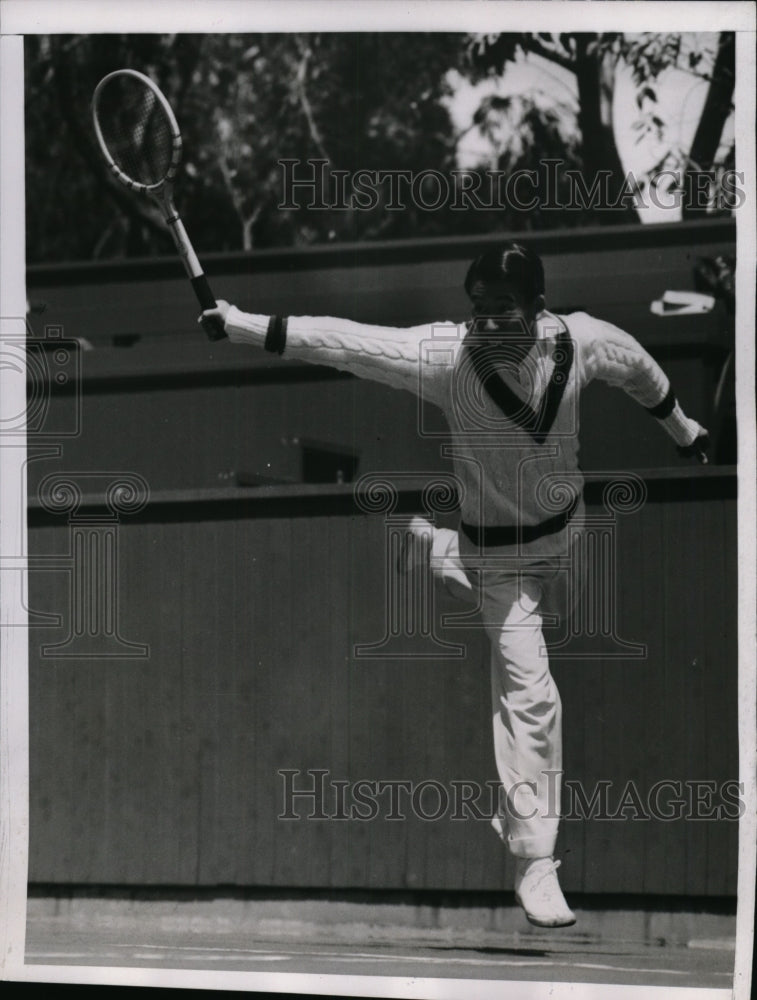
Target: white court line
{"x": 251, "y": 954}
{"x": 713, "y": 944}
{"x": 201, "y": 956}
{"x": 510, "y": 962}
{"x": 207, "y": 949}
{"x": 42, "y": 956}
{"x": 342, "y": 956}
{"x": 71, "y": 954}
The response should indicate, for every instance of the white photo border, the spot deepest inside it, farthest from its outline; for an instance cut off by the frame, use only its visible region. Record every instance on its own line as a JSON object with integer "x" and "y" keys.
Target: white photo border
{"x": 19, "y": 17}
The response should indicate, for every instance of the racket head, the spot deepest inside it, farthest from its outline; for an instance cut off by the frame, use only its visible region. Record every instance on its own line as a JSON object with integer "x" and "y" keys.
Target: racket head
{"x": 136, "y": 130}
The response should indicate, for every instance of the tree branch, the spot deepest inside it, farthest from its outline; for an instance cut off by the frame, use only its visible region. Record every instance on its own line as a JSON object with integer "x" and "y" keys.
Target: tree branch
{"x": 247, "y": 225}
{"x": 554, "y": 53}
{"x": 300, "y": 78}
{"x": 247, "y": 221}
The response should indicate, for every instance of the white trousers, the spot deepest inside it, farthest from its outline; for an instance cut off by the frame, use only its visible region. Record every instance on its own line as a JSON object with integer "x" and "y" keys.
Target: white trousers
{"x": 526, "y": 710}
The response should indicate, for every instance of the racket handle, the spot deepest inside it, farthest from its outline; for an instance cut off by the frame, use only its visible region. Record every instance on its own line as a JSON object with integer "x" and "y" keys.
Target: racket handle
{"x": 213, "y": 328}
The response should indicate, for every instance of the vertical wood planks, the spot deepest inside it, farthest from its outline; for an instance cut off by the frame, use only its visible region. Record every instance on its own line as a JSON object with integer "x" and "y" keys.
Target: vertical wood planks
{"x": 166, "y": 771}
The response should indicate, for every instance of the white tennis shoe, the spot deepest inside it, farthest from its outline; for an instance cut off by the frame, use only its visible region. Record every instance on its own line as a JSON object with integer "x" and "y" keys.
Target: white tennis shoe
{"x": 538, "y": 892}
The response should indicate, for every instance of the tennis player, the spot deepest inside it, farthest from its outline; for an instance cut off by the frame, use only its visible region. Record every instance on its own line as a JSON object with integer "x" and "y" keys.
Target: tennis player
{"x": 508, "y": 382}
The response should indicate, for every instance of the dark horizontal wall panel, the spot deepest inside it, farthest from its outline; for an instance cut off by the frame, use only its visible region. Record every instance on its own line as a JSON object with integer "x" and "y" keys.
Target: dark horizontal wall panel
{"x": 183, "y": 412}
{"x": 165, "y": 770}
{"x": 211, "y": 435}
{"x": 376, "y": 252}
{"x": 615, "y": 272}
{"x": 199, "y": 437}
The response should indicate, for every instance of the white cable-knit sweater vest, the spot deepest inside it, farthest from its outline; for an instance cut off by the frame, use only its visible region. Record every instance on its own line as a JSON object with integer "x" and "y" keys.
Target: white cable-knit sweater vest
{"x": 513, "y": 419}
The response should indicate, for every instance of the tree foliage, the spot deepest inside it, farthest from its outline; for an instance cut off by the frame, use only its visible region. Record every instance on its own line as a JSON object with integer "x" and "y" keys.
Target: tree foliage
{"x": 594, "y": 60}
{"x": 243, "y": 103}
{"x": 355, "y": 101}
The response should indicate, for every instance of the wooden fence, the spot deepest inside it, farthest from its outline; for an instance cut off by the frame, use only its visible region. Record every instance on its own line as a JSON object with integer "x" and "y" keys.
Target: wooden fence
{"x": 166, "y": 721}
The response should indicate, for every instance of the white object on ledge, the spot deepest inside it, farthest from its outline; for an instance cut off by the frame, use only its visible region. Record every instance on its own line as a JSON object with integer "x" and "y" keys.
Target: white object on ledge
{"x": 682, "y": 304}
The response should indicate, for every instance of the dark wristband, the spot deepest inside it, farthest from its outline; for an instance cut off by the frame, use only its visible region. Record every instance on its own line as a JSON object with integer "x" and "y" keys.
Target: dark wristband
{"x": 276, "y": 335}
{"x": 664, "y": 408}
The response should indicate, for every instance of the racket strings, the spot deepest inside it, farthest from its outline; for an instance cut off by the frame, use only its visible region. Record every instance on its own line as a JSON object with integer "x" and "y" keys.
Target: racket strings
{"x": 136, "y": 130}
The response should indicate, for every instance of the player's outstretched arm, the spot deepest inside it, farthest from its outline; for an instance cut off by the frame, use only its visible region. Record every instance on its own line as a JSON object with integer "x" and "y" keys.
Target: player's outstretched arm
{"x": 394, "y": 356}
{"x": 615, "y": 357}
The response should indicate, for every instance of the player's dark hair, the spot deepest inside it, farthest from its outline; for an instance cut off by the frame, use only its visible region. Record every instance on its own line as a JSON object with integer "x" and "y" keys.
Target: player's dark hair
{"x": 512, "y": 261}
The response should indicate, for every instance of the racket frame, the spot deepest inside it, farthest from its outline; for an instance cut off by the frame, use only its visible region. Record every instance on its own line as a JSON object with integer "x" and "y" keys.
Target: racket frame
{"x": 162, "y": 191}
{"x": 176, "y": 144}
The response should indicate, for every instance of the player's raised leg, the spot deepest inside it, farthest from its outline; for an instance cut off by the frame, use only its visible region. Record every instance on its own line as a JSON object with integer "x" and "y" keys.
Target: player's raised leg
{"x": 425, "y": 545}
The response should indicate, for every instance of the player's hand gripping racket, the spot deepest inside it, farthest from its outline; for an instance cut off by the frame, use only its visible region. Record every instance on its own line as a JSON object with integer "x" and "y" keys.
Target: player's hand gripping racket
{"x": 141, "y": 142}
{"x": 698, "y": 448}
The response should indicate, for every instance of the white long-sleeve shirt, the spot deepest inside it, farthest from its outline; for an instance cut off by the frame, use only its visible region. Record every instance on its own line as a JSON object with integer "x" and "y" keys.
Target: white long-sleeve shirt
{"x": 514, "y": 421}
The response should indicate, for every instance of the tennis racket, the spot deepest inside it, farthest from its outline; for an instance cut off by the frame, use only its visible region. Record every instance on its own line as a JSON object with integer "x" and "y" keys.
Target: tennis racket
{"x": 141, "y": 142}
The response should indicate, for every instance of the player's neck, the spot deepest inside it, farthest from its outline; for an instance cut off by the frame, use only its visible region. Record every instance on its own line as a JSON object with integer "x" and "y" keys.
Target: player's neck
{"x": 548, "y": 325}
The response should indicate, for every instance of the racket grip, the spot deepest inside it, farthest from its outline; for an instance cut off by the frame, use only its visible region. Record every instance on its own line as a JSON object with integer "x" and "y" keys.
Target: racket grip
{"x": 213, "y": 328}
